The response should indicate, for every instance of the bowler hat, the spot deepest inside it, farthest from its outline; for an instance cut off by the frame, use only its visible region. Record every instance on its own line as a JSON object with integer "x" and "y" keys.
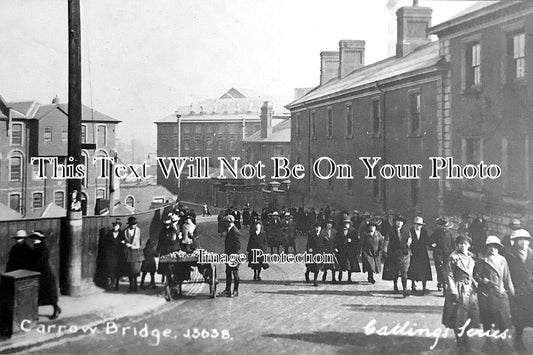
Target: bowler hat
{"x": 418, "y": 220}
{"x": 493, "y": 240}
{"x": 117, "y": 221}
{"x": 443, "y": 222}
{"x": 37, "y": 235}
{"x": 132, "y": 220}
{"x": 520, "y": 234}
{"x": 399, "y": 218}
{"x": 20, "y": 234}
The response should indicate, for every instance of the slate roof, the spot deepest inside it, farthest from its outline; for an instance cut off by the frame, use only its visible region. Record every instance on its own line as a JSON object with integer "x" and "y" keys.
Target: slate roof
{"x": 8, "y": 214}
{"x": 421, "y": 59}
{"x": 87, "y": 114}
{"x": 280, "y": 133}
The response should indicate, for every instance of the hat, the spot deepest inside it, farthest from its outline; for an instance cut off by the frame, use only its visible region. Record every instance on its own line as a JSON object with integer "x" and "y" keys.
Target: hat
{"x": 492, "y": 239}
{"x": 515, "y": 222}
{"x": 275, "y": 213}
{"x": 37, "y": 235}
{"x": 461, "y": 238}
{"x": 167, "y": 221}
{"x": 347, "y": 221}
{"x": 329, "y": 220}
{"x": 465, "y": 215}
{"x": 374, "y": 222}
{"x": 520, "y": 234}
{"x": 318, "y": 224}
{"x": 367, "y": 214}
{"x": 20, "y": 234}
{"x": 229, "y": 218}
{"x": 356, "y": 211}
{"x": 132, "y": 220}
{"x": 418, "y": 220}
{"x": 390, "y": 212}
{"x": 399, "y": 218}
{"x": 287, "y": 214}
{"x": 443, "y": 222}
{"x": 117, "y": 221}
{"x": 174, "y": 218}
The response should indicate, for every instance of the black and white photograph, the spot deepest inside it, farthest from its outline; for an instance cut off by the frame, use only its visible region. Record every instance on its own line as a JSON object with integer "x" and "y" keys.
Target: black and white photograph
{"x": 266, "y": 177}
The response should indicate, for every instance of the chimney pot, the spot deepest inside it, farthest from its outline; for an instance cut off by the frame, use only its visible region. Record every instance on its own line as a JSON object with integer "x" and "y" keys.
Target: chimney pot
{"x": 266, "y": 120}
{"x": 413, "y": 22}
{"x": 329, "y": 66}
{"x": 351, "y": 56}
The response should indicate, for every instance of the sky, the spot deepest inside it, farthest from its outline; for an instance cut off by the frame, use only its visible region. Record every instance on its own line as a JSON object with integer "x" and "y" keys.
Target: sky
{"x": 142, "y": 59}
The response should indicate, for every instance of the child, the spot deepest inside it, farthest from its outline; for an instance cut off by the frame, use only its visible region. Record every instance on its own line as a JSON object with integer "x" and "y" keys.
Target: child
{"x": 148, "y": 265}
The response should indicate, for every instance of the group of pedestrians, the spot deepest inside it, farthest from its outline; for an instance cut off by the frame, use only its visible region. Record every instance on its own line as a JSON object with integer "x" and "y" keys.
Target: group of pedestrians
{"x": 30, "y": 252}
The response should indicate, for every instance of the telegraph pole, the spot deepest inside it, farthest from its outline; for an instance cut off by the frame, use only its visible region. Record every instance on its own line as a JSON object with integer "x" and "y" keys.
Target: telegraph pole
{"x": 71, "y": 242}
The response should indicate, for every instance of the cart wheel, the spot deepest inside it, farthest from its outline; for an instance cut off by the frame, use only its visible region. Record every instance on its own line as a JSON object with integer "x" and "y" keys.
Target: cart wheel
{"x": 213, "y": 283}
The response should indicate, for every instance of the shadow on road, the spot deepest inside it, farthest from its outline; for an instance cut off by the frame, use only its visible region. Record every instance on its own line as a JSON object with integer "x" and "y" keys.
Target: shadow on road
{"x": 323, "y": 292}
{"x": 354, "y": 343}
{"x": 394, "y": 308}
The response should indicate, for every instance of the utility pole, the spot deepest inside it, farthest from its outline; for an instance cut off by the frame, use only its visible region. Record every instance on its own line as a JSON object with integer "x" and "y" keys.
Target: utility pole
{"x": 71, "y": 246}
{"x": 178, "y": 121}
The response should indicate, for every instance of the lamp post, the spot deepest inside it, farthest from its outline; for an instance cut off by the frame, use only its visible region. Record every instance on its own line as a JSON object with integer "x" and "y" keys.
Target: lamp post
{"x": 178, "y": 142}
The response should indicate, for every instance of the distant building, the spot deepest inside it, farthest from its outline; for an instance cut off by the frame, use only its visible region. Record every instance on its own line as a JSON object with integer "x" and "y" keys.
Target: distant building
{"x": 31, "y": 129}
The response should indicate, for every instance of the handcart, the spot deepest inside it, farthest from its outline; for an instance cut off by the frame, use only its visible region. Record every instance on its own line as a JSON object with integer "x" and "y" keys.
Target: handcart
{"x": 178, "y": 261}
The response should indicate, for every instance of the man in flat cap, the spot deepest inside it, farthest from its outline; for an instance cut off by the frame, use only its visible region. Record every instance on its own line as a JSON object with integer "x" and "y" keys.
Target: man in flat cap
{"x": 232, "y": 245}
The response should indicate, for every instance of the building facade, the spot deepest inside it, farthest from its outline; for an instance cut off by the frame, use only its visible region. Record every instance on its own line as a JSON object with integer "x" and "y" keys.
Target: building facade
{"x": 33, "y": 130}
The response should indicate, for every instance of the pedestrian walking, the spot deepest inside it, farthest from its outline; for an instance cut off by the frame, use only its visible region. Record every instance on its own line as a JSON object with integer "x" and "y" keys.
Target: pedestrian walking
{"x": 348, "y": 247}
{"x": 48, "y": 294}
{"x": 327, "y": 236}
{"x": 478, "y": 233}
{"x": 494, "y": 288}
{"x": 246, "y": 221}
{"x": 232, "y": 245}
{"x": 113, "y": 257}
{"x": 257, "y": 240}
{"x": 397, "y": 255}
{"x": 149, "y": 265}
{"x": 314, "y": 247}
{"x": 520, "y": 260}
{"x": 206, "y": 211}
{"x": 513, "y": 225}
{"x": 372, "y": 249}
{"x": 20, "y": 255}
{"x": 464, "y": 225}
{"x": 273, "y": 232}
{"x": 167, "y": 243}
{"x": 461, "y": 310}
{"x": 442, "y": 244}
{"x": 132, "y": 243}
{"x": 419, "y": 266}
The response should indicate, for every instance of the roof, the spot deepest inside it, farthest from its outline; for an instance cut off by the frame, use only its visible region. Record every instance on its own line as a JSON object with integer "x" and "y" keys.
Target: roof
{"x": 88, "y": 114}
{"x": 280, "y": 133}
{"x": 8, "y": 214}
{"x": 477, "y": 10}
{"x": 422, "y": 58}
{"x": 53, "y": 210}
{"x": 210, "y": 118}
{"x": 144, "y": 192}
{"x": 25, "y": 108}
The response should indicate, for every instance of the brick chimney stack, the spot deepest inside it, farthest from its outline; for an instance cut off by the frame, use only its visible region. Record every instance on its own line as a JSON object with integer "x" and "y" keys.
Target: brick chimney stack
{"x": 329, "y": 66}
{"x": 351, "y": 56}
{"x": 266, "y": 120}
{"x": 413, "y": 22}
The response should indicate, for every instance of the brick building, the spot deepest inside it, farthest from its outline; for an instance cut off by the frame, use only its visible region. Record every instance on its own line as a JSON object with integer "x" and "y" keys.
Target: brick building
{"x": 389, "y": 109}
{"x": 488, "y": 106}
{"x": 30, "y": 129}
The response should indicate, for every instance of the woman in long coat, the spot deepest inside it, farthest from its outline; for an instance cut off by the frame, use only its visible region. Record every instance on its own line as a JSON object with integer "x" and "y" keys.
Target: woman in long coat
{"x": 327, "y": 235}
{"x": 372, "y": 249}
{"x": 491, "y": 272}
{"x": 47, "y": 282}
{"x": 442, "y": 244}
{"x": 257, "y": 240}
{"x": 314, "y": 247}
{"x": 273, "y": 232}
{"x": 20, "y": 255}
{"x": 419, "y": 267}
{"x": 131, "y": 239}
{"x": 460, "y": 302}
{"x": 347, "y": 244}
{"x": 113, "y": 257}
{"x": 397, "y": 255}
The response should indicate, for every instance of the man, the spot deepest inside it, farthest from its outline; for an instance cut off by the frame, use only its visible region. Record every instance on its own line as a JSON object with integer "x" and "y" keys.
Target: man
{"x": 113, "y": 256}
{"x": 327, "y": 235}
{"x": 388, "y": 224}
{"x": 232, "y": 245}
{"x": 478, "y": 233}
{"x": 132, "y": 242}
{"x": 168, "y": 242}
{"x": 356, "y": 220}
{"x": 20, "y": 255}
{"x": 372, "y": 249}
{"x": 364, "y": 226}
{"x": 442, "y": 244}
{"x": 288, "y": 230}
{"x": 397, "y": 256}
{"x": 419, "y": 267}
{"x": 314, "y": 246}
{"x": 347, "y": 248}
{"x": 513, "y": 225}
{"x": 464, "y": 225}
{"x": 273, "y": 232}
{"x": 520, "y": 260}
{"x": 237, "y": 215}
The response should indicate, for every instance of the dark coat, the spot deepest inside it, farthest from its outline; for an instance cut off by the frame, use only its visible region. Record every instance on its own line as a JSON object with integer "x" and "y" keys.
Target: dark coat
{"x": 167, "y": 243}
{"x": 419, "y": 267}
{"x": 493, "y": 297}
{"x": 348, "y": 251}
{"x": 398, "y": 255}
{"x": 232, "y": 242}
{"x": 113, "y": 254}
{"x": 444, "y": 243}
{"x": 150, "y": 252}
{"x": 478, "y": 233}
{"x": 20, "y": 257}
{"x": 246, "y": 217}
{"x": 315, "y": 247}
{"x": 237, "y": 216}
{"x": 47, "y": 282}
{"x": 273, "y": 232}
{"x": 460, "y": 303}
{"x": 522, "y": 276}
{"x": 328, "y": 246}
{"x": 386, "y": 227}
{"x": 372, "y": 249}
{"x": 256, "y": 241}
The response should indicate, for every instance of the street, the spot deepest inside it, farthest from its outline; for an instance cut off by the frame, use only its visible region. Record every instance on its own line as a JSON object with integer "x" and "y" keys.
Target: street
{"x": 281, "y": 314}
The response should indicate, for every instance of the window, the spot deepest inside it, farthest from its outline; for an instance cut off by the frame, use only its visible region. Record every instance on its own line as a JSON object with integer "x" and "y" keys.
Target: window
{"x": 233, "y": 145}
{"x": 516, "y": 52}
{"x": 472, "y": 155}
{"x": 414, "y": 113}
{"x": 14, "y": 202}
{"x": 349, "y": 121}
{"x": 279, "y": 151}
{"x": 130, "y": 201}
{"x": 220, "y": 143}
{"x": 35, "y": 171}
{"x": 297, "y": 126}
{"x": 101, "y": 134}
{"x": 415, "y": 192}
{"x": 349, "y": 182}
{"x": 84, "y": 159}
{"x": 376, "y": 189}
{"x": 64, "y": 135}
{"x": 329, "y": 127}
{"x": 197, "y": 143}
{"x": 47, "y": 134}
{"x": 186, "y": 144}
{"x": 16, "y": 134}
{"x": 15, "y": 168}
{"x": 473, "y": 64}
{"x": 209, "y": 143}
{"x": 376, "y": 118}
{"x": 515, "y": 159}
{"x": 313, "y": 125}
{"x": 59, "y": 198}
{"x": 37, "y": 199}
{"x": 84, "y": 134}
{"x": 100, "y": 194}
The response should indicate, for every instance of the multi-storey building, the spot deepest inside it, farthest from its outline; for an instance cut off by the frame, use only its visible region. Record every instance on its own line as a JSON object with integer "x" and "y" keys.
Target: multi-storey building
{"x": 32, "y": 130}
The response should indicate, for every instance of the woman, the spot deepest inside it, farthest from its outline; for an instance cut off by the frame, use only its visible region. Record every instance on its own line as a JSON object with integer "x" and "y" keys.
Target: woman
{"x": 419, "y": 267}
{"x": 442, "y": 243}
{"x": 347, "y": 245}
{"x": 397, "y": 255}
{"x": 131, "y": 239}
{"x": 47, "y": 281}
{"x": 314, "y": 247}
{"x": 257, "y": 240}
{"x": 492, "y": 275}
{"x": 327, "y": 235}
{"x": 188, "y": 241}
{"x": 113, "y": 255}
{"x": 372, "y": 248}
{"x": 20, "y": 255}
{"x": 460, "y": 303}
